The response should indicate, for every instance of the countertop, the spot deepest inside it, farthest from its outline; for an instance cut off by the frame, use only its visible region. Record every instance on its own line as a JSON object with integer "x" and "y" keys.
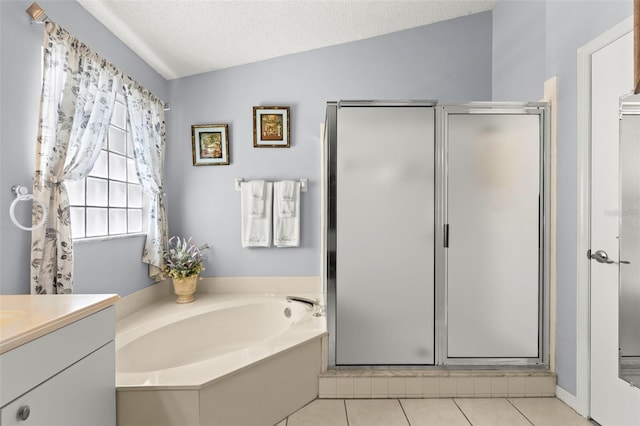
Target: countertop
{"x": 24, "y": 317}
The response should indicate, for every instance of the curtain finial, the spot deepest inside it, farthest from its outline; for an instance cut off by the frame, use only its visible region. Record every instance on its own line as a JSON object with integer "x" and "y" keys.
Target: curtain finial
{"x": 37, "y": 14}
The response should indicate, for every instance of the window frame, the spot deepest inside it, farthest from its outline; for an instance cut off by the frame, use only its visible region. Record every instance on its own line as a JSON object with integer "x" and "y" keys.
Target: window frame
{"x": 127, "y": 182}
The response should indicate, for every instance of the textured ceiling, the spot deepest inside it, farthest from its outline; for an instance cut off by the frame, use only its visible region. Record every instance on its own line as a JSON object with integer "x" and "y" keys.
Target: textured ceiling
{"x": 179, "y": 38}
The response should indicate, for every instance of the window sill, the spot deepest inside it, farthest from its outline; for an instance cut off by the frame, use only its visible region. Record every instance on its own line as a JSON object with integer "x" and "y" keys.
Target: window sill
{"x": 107, "y": 238}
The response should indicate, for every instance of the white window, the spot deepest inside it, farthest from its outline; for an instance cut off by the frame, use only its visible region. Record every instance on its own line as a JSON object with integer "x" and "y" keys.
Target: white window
{"x": 109, "y": 201}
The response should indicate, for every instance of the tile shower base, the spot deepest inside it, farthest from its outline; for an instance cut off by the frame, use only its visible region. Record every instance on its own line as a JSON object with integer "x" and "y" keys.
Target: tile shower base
{"x": 435, "y": 383}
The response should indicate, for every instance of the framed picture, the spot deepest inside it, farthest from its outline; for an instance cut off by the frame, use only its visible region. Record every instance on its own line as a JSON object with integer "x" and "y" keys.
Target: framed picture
{"x": 271, "y": 127}
{"x": 210, "y": 144}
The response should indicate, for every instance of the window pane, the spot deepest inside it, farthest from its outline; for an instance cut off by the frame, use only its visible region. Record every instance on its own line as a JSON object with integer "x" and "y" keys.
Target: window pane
{"x": 75, "y": 188}
{"x": 117, "y": 167}
{"x": 117, "y": 221}
{"x": 135, "y": 220}
{"x": 96, "y": 222}
{"x": 100, "y": 168}
{"x": 97, "y": 192}
{"x": 117, "y": 140}
{"x": 77, "y": 222}
{"x": 117, "y": 194}
{"x": 135, "y": 195}
{"x": 119, "y": 115}
{"x": 129, "y": 145}
{"x": 132, "y": 175}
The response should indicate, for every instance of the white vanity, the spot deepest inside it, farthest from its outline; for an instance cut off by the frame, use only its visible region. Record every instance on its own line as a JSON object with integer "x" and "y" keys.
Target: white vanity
{"x": 57, "y": 360}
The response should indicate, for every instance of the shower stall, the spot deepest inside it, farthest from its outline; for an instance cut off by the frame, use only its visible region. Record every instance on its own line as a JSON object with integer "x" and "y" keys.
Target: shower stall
{"x": 436, "y": 234}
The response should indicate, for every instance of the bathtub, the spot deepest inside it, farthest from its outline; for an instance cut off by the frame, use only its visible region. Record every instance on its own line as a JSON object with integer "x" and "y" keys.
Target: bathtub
{"x": 223, "y": 359}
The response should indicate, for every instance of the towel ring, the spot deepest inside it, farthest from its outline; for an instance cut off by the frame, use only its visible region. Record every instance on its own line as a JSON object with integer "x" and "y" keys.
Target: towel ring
{"x": 21, "y": 195}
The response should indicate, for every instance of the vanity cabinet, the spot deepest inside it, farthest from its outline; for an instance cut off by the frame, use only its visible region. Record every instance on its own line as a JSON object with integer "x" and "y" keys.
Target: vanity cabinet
{"x": 66, "y": 377}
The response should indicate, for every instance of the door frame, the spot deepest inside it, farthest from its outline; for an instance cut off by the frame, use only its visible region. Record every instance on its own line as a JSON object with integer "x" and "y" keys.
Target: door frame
{"x": 582, "y": 400}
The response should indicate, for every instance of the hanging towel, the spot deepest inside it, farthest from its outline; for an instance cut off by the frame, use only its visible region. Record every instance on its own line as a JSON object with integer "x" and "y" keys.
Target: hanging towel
{"x": 255, "y": 228}
{"x": 287, "y": 207}
{"x": 256, "y": 206}
{"x": 286, "y": 215}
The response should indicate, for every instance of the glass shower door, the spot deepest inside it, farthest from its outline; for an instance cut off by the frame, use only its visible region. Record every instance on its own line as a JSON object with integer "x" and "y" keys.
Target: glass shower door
{"x": 494, "y": 217}
{"x": 385, "y": 235}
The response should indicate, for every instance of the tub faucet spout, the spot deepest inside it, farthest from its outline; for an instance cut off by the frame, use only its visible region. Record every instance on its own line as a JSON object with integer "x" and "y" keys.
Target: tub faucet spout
{"x": 315, "y": 304}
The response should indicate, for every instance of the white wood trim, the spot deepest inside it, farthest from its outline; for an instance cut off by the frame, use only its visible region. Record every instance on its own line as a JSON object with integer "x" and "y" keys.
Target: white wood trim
{"x": 583, "y": 349}
{"x": 568, "y": 398}
{"x": 551, "y": 96}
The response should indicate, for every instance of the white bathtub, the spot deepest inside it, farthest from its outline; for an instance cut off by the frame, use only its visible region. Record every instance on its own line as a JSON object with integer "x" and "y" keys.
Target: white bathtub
{"x": 197, "y": 354}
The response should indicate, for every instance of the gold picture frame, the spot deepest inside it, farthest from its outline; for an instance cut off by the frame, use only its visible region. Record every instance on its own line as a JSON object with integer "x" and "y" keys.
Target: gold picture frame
{"x": 210, "y": 144}
{"x": 271, "y": 127}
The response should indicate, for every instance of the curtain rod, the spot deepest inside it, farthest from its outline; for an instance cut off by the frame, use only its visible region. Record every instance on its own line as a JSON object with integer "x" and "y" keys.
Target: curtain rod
{"x": 38, "y": 16}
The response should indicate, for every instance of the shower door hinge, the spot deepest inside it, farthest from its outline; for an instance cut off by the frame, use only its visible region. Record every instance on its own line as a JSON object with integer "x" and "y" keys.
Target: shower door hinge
{"x": 446, "y": 235}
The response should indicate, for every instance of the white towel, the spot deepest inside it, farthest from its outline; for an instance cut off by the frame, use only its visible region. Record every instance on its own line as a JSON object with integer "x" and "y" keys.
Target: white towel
{"x": 255, "y": 229}
{"x": 287, "y": 207}
{"x": 256, "y": 206}
{"x": 286, "y": 215}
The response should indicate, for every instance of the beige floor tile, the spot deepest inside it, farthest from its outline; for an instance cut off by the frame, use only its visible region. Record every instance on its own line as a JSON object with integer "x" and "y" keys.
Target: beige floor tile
{"x": 282, "y": 423}
{"x": 433, "y": 412}
{"x": 548, "y": 412}
{"x": 321, "y": 412}
{"x": 491, "y": 412}
{"x": 381, "y": 412}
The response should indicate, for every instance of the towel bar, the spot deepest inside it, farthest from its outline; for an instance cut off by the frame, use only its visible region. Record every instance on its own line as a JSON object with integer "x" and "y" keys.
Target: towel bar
{"x": 304, "y": 184}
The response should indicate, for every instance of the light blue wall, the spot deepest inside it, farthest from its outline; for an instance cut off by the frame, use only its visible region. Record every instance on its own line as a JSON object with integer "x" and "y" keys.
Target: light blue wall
{"x": 518, "y": 50}
{"x": 101, "y": 267}
{"x": 450, "y": 61}
{"x": 566, "y": 26}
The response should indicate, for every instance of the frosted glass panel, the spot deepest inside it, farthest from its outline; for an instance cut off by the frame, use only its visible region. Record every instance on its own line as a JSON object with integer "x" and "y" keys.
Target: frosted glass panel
{"x": 493, "y": 214}
{"x": 117, "y": 140}
{"x": 117, "y": 167}
{"x": 135, "y": 195}
{"x": 119, "y": 115}
{"x": 117, "y": 221}
{"x": 630, "y": 243}
{"x": 135, "y": 221}
{"x": 101, "y": 166}
{"x": 385, "y": 236}
{"x": 97, "y": 222}
{"x": 77, "y": 222}
{"x": 117, "y": 194}
{"x": 75, "y": 189}
{"x": 131, "y": 171}
{"x": 129, "y": 146}
{"x": 97, "y": 192}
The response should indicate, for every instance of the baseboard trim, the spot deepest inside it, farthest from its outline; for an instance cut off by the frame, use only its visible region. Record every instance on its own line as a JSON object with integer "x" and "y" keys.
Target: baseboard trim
{"x": 571, "y": 400}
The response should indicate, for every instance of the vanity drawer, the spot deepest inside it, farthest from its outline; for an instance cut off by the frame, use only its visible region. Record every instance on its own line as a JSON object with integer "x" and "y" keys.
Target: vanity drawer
{"x": 81, "y": 395}
{"x": 26, "y": 366}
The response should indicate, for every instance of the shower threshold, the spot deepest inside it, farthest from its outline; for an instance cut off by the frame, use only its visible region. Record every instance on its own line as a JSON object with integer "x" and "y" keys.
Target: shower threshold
{"x": 436, "y": 382}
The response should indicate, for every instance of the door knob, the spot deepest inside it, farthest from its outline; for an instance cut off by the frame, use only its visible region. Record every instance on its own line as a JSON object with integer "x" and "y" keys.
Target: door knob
{"x": 601, "y": 256}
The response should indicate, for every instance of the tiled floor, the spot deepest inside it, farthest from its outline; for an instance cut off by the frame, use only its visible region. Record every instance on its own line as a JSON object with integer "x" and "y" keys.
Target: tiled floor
{"x": 436, "y": 412}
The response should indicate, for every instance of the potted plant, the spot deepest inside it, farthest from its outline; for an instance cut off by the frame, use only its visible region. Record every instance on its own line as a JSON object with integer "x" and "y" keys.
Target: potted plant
{"x": 183, "y": 263}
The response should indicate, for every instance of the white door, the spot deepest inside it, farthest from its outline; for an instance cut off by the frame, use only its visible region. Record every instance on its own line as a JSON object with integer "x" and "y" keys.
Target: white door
{"x": 613, "y": 401}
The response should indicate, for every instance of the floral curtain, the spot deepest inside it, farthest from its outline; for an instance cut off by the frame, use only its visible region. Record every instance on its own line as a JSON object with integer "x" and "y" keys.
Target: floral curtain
{"x": 145, "y": 116}
{"x": 78, "y": 96}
